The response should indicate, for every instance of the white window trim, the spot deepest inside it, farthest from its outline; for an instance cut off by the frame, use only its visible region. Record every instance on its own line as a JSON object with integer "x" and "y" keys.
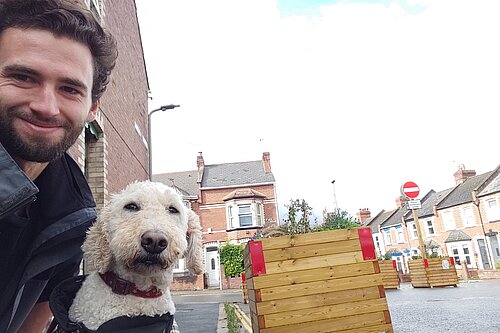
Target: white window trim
{"x": 233, "y": 214}
{"x": 492, "y": 213}
{"x": 468, "y": 216}
{"x": 448, "y": 220}
{"x": 426, "y": 222}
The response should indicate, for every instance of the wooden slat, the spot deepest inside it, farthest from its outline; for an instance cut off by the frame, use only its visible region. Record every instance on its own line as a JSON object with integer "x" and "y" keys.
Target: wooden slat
{"x": 318, "y": 287}
{"x": 326, "y": 312}
{"x": 311, "y": 275}
{"x": 314, "y": 262}
{"x": 312, "y": 250}
{"x": 318, "y": 300}
{"x": 332, "y": 325}
{"x": 384, "y": 328}
{"x": 310, "y": 238}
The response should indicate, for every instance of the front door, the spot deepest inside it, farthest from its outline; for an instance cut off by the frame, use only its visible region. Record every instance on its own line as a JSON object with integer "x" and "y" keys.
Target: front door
{"x": 213, "y": 267}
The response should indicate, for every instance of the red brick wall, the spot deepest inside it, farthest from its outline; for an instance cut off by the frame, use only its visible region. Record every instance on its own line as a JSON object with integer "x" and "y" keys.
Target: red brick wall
{"x": 187, "y": 282}
{"x": 125, "y": 101}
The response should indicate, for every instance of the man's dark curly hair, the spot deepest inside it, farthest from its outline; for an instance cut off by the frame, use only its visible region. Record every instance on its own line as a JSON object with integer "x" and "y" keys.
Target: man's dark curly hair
{"x": 68, "y": 18}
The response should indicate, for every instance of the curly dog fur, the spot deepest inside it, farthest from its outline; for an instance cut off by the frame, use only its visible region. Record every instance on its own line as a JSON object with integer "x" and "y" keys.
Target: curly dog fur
{"x": 116, "y": 243}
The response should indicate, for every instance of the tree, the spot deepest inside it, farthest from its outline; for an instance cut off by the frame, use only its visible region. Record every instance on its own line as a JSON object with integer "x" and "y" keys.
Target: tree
{"x": 340, "y": 219}
{"x": 299, "y": 214}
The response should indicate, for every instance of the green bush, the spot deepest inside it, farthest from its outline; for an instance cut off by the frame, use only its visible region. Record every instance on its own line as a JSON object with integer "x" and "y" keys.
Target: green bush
{"x": 231, "y": 256}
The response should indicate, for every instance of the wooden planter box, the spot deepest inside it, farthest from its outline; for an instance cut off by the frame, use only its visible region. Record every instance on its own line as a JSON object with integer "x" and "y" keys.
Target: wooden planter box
{"x": 390, "y": 277}
{"x": 319, "y": 282}
{"x": 244, "y": 288}
{"x": 433, "y": 272}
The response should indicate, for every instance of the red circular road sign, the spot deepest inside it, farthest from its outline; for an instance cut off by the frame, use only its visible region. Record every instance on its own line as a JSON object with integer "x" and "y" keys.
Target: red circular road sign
{"x": 410, "y": 190}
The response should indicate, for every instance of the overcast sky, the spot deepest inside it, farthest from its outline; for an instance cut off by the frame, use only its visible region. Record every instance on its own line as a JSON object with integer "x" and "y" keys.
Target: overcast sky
{"x": 367, "y": 93}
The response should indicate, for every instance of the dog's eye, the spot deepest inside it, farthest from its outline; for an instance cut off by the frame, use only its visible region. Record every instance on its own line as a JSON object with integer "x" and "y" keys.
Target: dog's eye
{"x": 131, "y": 206}
{"x": 173, "y": 210}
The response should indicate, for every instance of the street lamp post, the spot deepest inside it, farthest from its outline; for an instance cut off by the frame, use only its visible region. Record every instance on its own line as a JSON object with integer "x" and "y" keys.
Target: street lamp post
{"x": 150, "y": 146}
{"x": 334, "y": 197}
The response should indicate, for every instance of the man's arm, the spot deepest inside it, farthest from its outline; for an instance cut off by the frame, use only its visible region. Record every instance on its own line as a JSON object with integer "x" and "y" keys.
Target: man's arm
{"x": 37, "y": 320}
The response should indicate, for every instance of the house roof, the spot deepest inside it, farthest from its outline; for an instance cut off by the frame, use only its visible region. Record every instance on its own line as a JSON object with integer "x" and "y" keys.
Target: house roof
{"x": 493, "y": 186}
{"x": 395, "y": 218}
{"x": 378, "y": 219}
{"x": 462, "y": 193}
{"x": 457, "y": 236}
{"x": 235, "y": 174}
{"x": 243, "y": 193}
{"x": 431, "y": 244}
{"x": 184, "y": 181}
{"x": 428, "y": 202}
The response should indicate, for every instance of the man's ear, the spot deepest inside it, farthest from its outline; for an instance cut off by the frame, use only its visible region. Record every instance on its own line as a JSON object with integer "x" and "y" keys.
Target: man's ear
{"x": 93, "y": 111}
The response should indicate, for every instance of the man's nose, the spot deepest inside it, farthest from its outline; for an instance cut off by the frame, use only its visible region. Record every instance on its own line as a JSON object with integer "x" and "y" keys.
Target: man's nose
{"x": 45, "y": 101}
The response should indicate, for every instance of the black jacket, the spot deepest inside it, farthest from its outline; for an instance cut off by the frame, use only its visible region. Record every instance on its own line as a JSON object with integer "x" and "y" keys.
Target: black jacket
{"x": 68, "y": 209}
{"x": 62, "y": 298}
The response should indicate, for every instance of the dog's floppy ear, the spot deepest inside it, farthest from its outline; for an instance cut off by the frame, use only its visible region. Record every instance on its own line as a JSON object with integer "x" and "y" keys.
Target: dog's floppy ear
{"x": 193, "y": 254}
{"x": 95, "y": 248}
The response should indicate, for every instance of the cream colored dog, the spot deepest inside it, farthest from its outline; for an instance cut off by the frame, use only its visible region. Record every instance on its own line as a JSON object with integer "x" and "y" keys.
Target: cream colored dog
{"x": 138, "y": 237}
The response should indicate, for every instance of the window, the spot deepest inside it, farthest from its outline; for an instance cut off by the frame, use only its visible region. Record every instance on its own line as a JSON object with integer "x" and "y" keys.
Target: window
{"x": 468, "y": 217}
{"x": 400, "y": 235}
{"x": 377, "y": 242}
{"x": 448, "y": 220}
{"x": 429, "y": 227}
{"x": 245, "y": 215}
{"x": 455, "y": 255}
{"x": 466, "y": 254}
{"x": 413, "y": 230}
{"x": 388, "y": 239}
{"x": 492, "y": 210}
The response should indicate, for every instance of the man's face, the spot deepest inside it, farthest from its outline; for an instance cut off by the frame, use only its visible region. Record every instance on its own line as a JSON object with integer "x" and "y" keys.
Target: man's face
{"x": 45, "y": 93}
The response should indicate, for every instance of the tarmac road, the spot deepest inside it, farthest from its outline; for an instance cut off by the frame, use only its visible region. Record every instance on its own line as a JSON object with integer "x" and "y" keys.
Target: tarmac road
{"x": 198, "y": 311}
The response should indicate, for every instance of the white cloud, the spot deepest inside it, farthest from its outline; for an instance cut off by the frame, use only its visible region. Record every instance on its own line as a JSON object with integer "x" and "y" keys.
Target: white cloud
{"x": 368, "y": 95}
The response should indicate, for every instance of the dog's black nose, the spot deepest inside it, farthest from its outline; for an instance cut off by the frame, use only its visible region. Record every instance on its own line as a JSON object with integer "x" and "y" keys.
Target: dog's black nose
{"x": 154, "y": 241}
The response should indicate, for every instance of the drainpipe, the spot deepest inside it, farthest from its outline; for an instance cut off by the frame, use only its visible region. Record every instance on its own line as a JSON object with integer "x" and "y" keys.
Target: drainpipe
{"x": 486, "y": 242}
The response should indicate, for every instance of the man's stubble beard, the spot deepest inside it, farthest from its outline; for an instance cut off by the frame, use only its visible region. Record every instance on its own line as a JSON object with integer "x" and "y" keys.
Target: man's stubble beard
{"x": 34, "y": 149}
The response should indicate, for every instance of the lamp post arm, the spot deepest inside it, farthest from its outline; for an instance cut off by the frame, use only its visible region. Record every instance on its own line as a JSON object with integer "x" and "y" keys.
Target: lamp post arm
{"x": 150, "y": 144}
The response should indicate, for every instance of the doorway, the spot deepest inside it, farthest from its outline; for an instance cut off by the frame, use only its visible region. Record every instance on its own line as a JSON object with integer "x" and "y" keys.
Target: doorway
{"x": 213, "y": 267}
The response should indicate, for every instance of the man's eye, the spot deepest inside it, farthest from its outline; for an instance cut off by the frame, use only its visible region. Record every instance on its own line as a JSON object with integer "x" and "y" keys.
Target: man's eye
{"x": 21, "y": 78}
{"x": 131, "y": 207}
{"x": 173, "y": 210}
{"x": 70, "y": 90}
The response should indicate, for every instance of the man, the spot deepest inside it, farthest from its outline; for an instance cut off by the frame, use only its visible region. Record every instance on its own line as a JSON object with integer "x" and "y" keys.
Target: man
{"x": 55, "y": 62}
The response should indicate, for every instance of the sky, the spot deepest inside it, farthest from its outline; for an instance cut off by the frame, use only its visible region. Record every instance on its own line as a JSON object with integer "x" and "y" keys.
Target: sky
{"x": 369, "y": 93}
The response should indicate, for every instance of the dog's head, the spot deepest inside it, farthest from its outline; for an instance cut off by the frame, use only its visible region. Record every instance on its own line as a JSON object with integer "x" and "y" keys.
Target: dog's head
{"x": 144, "y": 230}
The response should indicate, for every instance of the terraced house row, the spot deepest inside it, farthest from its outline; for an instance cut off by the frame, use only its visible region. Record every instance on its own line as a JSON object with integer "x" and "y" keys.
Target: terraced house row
{"x": 462, "y": 222}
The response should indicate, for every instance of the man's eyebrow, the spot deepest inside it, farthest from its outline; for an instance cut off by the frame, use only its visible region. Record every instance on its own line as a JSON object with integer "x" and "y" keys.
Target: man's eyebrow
{"x": 20, "y": 69}
{"x": 75, "y": 83}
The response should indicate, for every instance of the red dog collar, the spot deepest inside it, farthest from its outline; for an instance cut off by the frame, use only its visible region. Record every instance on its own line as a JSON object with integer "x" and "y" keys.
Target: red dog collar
{"x": 124, "y": 287}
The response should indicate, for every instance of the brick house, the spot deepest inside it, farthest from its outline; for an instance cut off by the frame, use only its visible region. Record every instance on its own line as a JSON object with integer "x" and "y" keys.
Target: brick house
{"x": 112, "y": 151}
{"x": 233, "y": 201}
{"x": 462, "y": 222}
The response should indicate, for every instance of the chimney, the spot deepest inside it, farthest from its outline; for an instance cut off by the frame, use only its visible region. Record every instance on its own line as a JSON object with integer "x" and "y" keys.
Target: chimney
{"x": 401, "y": 201}
{"x": 462, "y": 174}
{"x": 363, "y": 214}
{"x": 266, "y": 162}
{"x": 200, "y": 162}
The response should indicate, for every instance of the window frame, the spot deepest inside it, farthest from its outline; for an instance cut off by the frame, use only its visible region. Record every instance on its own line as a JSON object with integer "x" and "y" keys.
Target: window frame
{"x": 448, "y": 220}
{"x": 235, "y": 213}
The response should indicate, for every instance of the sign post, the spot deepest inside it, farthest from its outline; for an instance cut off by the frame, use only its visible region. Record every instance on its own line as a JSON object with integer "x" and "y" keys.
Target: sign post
{"x": 411, "y": 190}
